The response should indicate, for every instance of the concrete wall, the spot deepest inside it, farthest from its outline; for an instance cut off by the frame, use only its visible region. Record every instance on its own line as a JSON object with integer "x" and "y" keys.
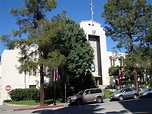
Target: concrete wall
{"x": 11, "y": 76}
{"x": 95, "y": 29}
{"x": 0, "y": 82}
{"x": 115, "y": 56}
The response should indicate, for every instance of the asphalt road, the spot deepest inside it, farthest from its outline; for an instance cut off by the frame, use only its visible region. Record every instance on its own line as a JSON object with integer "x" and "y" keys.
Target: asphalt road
{"x": 139, "y": 106}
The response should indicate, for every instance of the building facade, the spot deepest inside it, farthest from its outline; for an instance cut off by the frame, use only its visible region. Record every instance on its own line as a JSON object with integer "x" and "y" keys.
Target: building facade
{"x": 95, "y": 34}
{"x": 10, "y": 78}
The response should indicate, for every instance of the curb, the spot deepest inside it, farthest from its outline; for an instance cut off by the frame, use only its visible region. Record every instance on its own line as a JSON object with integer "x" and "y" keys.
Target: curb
{"x": 38, "y": 107}
{"x": 106, "y": 100}
{"x": 25, "y": 107}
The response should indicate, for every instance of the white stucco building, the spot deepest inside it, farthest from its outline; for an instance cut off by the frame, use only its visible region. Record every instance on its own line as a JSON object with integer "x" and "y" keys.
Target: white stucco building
{"x": 10, "y": 78}
{"x": 95, "y": 34}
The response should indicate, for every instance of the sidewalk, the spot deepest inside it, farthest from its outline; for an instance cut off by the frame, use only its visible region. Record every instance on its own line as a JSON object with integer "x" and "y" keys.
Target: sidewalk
{"x": 106, "y": 100}
{"x": 10, "y": 107}
{"x": 40, "y": 107}
{"x": 60, "y": 105}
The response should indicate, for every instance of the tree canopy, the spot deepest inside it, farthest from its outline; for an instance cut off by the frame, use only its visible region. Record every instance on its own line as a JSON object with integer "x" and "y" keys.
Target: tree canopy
{"x": 129, "y": 24}
{"x": 77, "y": 50}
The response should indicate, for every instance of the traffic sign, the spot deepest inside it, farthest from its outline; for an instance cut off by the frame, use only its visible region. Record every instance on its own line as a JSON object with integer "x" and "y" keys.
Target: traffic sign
{"x": 8, "y": 88}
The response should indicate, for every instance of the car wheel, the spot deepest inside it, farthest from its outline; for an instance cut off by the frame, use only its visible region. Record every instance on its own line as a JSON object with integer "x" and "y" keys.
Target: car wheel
{"x": 121, "y": 98}
{"x": 79, "y": 102}
{"x": 99, "y": 100}
{"x": 135, "y": 96}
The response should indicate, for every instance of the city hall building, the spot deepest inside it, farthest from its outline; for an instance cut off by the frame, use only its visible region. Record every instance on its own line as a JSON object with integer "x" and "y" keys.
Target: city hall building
{"x": 10, "y": 78}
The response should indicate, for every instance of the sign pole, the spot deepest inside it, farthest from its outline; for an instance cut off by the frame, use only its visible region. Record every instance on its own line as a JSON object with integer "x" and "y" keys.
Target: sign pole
{"x": 65, "y": 92}
{"x": 54, "y": 101}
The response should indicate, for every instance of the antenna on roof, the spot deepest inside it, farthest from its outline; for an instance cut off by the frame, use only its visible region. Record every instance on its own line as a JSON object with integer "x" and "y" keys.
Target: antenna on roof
{"x": 92, "y": 13}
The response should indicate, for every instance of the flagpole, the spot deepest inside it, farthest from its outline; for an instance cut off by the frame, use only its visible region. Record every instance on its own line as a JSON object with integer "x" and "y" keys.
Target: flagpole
{"x": 91, "y": 6}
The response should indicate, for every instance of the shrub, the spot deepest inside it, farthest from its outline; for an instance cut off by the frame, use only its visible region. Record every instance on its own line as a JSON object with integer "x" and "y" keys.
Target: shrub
{"x": 49, "y": 92}
{"x": 150, "y": 84}
{"x": 107, "y": 93}
{"x": 24, "y": 94}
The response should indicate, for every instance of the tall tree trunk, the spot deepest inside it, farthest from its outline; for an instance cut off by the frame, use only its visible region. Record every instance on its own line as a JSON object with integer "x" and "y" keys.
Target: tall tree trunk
{"x": 42, "y": 96}
{"x": 136, "y": 78}
{"x": 134, "y": 65}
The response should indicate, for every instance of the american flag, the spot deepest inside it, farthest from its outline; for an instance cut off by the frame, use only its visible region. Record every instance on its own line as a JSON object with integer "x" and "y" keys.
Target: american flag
{"x": 56, "y": 75}
{"x": 121, "y": 73}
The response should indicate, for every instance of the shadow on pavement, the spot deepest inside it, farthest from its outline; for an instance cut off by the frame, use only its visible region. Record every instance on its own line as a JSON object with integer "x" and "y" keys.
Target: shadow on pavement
{"x": 142, "y": 106}
{"x": 84, "y": 109}
{"x": 139, "y": 106}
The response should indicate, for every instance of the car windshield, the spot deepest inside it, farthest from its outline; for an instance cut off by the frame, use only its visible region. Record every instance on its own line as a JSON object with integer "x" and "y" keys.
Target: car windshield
{"x": 149, "y": 89}
{"x": 118, "y": 91}
{"x": 142, "y": 89}
{"x": 81, "y": 92}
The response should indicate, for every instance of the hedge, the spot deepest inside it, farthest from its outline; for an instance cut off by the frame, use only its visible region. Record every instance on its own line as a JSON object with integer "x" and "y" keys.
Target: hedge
{"x": 25, "y": 94}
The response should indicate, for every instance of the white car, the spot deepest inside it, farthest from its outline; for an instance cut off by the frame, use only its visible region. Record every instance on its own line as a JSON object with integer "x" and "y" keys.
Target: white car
{"x": 124, "y": 93}
{"x": 86, "y": 96}
{"x": 147, "y": 93}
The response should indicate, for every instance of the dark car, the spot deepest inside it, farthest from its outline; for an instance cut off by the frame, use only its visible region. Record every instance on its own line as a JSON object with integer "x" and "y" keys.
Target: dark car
{"x": 86, "y": 96}
{"x": 124, "y": 93}
{"x": 147, "y": 93}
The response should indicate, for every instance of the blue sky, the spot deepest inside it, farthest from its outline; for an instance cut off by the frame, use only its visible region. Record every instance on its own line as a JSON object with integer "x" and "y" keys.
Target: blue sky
{"x": 76, "y": 9}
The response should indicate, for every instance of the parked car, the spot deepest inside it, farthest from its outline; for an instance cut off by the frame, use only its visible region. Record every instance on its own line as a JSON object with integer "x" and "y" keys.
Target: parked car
{"x": 86, "y": 96}
{"x": 124, "y": 93}
{"x": 147, "y": 93}
{"x": 140, "y": 90}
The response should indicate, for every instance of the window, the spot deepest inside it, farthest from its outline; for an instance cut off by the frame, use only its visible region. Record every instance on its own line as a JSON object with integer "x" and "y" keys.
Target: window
{"x": 32, "y": 86}
{"x": 128, "y": 90}
{"x": 92, "y": 91}
{"x": 121, "y": 60}
{"x": 34, "y": 72}
{"x": 87, "y": 92}
{"x": 112, "y": 61}
{"x": 98, "y": 91}
{"x": 95, "y": 91}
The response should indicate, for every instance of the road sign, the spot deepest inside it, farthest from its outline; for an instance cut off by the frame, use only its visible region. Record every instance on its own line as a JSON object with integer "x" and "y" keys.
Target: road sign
{"x": 8, "y": 88}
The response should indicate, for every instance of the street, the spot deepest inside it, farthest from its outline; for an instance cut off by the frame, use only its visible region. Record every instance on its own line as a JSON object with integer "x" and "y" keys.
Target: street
{"x": 142, "y": 106}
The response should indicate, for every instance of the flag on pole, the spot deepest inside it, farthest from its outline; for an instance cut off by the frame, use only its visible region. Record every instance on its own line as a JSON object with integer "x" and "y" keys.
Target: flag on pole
{"x": 91, "y": 6}
{"x": 121, "y": 73}
{"x": 56, "y": 75}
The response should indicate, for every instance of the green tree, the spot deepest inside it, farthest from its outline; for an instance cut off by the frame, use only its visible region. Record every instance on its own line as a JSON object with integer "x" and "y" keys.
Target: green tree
{"x": 146, "y": 64}
{"x": 40, "y": 32}
{"x": 78, "y": 53}
{"x": 128, "y": 23}
{"x": 113, "y": 70}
